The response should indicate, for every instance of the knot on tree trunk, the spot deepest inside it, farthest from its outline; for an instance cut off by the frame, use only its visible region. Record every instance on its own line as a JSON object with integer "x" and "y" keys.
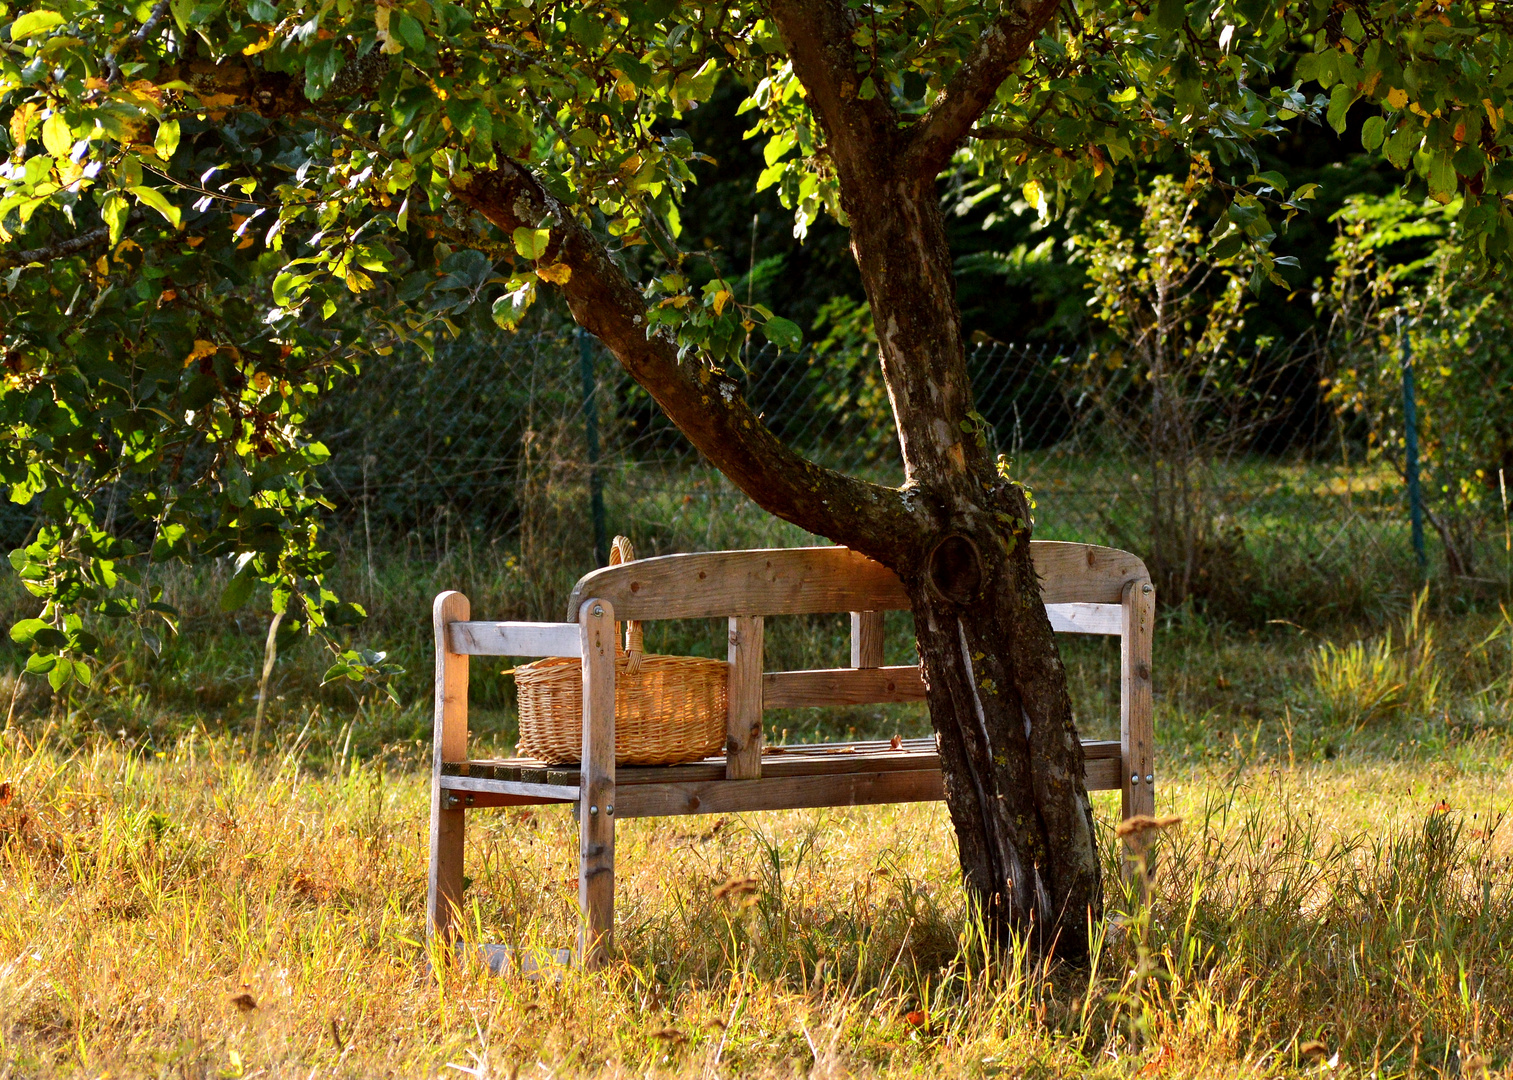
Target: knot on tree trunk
{"x": 954, "y": 569}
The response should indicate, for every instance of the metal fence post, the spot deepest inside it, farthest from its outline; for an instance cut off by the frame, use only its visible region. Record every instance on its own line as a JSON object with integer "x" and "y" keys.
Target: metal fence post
{"x": 591, "y": 432}
{"x": 1410, "y": 433}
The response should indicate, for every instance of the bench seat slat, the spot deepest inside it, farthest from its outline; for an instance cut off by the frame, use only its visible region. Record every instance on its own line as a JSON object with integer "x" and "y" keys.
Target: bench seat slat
{"x": 834, "y": 760}
{"x": 546, "y": 792}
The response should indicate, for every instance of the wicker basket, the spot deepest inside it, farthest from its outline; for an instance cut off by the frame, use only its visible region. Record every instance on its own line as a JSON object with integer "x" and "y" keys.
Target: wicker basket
{"x": 668, "y": 709}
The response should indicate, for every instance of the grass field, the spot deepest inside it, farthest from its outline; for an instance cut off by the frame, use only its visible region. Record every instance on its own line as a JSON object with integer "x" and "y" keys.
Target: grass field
{"x": 1338, "y": 898}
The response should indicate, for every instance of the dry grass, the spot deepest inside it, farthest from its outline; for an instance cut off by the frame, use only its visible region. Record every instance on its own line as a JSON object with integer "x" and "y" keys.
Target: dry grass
{"x": 190, "y": 913}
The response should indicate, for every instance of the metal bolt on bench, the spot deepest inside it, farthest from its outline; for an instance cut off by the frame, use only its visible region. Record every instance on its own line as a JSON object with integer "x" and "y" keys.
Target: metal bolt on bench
{"x": 1087, "y": 590}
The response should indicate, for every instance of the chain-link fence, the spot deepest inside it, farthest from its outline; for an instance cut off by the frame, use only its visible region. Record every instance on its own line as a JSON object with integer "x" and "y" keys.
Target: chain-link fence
{"x": 542, "y": 446}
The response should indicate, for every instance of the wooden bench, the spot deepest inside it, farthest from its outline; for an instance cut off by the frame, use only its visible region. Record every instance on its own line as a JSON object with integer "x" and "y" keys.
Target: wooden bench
{"x": 1086, "y": 589}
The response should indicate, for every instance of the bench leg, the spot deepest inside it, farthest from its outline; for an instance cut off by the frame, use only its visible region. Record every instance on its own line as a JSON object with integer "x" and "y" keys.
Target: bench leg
{"x": 444, "y": 887}
{"x": 449, "y": 744}
{"x": 1137, "y": 728}
{"x": 596, "y": 792}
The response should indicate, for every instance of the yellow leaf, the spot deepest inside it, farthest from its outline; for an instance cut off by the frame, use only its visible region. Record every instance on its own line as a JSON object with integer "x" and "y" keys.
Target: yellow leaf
{"x": 261, "y": 381}
{"x": 557, "y": 273}
{"x": 148, "y": 89}
{"x": 1494, "y": 116}
{"x": 1369, "y": 86}
{"x": 258, "y": 46}
{"x": 1034, "y": 194}
{"x": 1397, "y": 97}
{"x": 1460, "y": 132}
{"x": 20, "y": 120}
{"x": 357, "y": 281}
{"x": 721, "y": 298}
{"x": 202, "y": 349}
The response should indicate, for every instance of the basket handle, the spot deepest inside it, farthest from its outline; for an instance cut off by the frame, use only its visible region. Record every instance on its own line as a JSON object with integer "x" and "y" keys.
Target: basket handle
{"x": 620, "y": 552}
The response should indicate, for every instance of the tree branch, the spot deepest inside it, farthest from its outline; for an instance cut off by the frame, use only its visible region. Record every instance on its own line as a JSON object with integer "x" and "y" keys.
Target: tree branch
{"x": 63, "y": 248}
{"x": 706, "y": 405}
{"x": 155, "y": 16}
{"x": 1005, "y": 134}
{"x": 862, "y": 135}
{"x": 969, "y": 93}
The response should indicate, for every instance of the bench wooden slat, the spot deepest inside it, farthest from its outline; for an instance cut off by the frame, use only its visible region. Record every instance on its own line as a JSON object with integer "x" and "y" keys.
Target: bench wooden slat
{"x": 552, "y": 792}
{"x": 514, "y": 639}
{"x": 779, "y": 793}
{"x": 806, "y": 791}
{"x": 841, "y": 686}
{"x": 524, "y": 776}
{"x": 1086, "y": 618}
{"x": 801, "y": 581}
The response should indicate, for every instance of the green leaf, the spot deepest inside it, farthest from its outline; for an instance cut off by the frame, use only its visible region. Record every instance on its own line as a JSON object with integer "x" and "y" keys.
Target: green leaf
{"x": 1340, "y": 100}
{"x": 771, "y": 175}
{"x": 588, "y": 30}
{"x": 1442, "y": 179}
{"x": 783, "y": 333}
{"x": 40, "y": 663}
{"x": 155, "y": 199}
{"x": 410, "y": 33}
{"x": 531, "y": 243}
{"x": 510, "y": 308}
{"x": 1227, "y": 246}
{"x": 340, "y": 671}
{"x": 1373, "y": 132}
{"x": 35, "y": 22}
{"x": 168, "y": 139}
{"x": 56, "y": 137}
{"x": 779, "y": 145}
{"x": 1272, "y": 179}
{"x": 239, "y": 591}
{"x": 1403, "y": 143}
{"x": 61, "y": 674}
{"x": 26, "y": 630}
{"x": 1170, "y": 14}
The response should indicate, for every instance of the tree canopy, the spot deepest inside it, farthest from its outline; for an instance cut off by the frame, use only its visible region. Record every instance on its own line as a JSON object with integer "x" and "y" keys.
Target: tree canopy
{"x": 212, "y": 208}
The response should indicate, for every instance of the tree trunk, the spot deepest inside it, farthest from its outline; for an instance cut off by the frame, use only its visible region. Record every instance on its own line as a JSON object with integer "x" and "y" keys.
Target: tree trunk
{"x": 996, "y": 686}
{"x": 1011, "y": 757}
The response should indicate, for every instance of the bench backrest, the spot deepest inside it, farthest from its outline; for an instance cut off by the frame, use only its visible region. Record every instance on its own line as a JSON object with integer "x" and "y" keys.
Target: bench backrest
{"x": 819, "y": 580}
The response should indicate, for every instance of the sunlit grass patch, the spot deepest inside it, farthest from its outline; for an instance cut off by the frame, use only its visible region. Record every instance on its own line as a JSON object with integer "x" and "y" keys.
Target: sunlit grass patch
{"x": 1366, "y": 682}
{"x": 200, "y": 913}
